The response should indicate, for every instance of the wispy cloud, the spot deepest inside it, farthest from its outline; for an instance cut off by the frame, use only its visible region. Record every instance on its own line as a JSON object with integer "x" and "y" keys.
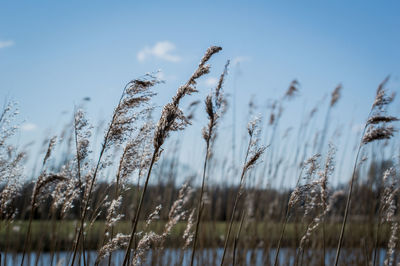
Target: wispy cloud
{"x": 4, "y": 44}
{"x": 161, "y": 50}
{"x": 28, "y": 127}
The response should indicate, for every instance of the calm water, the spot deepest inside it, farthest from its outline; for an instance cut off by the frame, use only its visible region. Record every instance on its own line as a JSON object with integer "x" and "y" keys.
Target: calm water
{"x": 177, "y": 257}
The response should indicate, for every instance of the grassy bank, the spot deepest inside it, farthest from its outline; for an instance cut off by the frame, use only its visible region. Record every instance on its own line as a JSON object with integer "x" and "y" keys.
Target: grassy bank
{"x": 264, "y": 235}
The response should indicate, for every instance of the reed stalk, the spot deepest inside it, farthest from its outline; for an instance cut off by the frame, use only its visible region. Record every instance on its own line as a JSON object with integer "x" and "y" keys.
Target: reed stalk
{"x": 93, "y": 179}
{"x": 375, "y": 117}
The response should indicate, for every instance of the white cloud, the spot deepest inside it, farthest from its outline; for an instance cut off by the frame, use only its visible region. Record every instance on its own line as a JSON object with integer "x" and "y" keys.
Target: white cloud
{"x": 28, "y": 127}
{"x": 211, "y": 81}
{"x": 240, "y": 59}
{"x": 161, "y": 50}
{"x": 4, "y": 44}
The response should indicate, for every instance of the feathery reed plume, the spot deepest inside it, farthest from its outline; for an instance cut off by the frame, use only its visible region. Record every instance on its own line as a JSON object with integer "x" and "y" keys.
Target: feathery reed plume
{"x": 135, "y": 95}
{"x": 112, "y": 212}
{"x": 130, "y": 161}
{"x": 10, "y": 174}
{"x": 112, "y": 217}
{"x": 335, "y": 96}
{"x": 59, "y": 194}
{"x": 43, "y": 182}
{"x": 389, "y": 207}
{"x": 7, "y": 116}
{"x": 117, "y": 242}
{"x": 155, "y": 215}
{"x": 255, "y": 152}
{"x": 64, "y": 194}
{"x": 299, "y": 194}
{"x": 381, "y": 98}
{"x": 386, "y": 213}
{"x": 392, "y": 242}
{"x": 378, "y": 133}
{"x": 145, "y": 243}
{"x": 52, "y": 143}
{"x": 82, "y": 134}
{"x": 371, "y": 132}
{"x": 11, "y": 163}
{"x": 121, "y": 240}
{"x": 329, "y": 168}
{"x": 172, "y": 119}
{"x": 215, "y": 107}
{"x": 188, "y": 235}
{"x": 176, "y": 213}
{"x": 319, "y": 198}
{"x": 381, "y": 119}
{"x": 293, "y": 89}
{"x": 75, "y": 187}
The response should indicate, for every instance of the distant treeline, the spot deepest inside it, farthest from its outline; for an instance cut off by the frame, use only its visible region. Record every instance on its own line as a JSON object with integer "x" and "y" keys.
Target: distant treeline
{"x": 266, "y": 204}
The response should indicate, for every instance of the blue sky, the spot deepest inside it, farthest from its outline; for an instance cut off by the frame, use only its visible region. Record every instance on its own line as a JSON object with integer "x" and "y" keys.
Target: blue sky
{"x": 52, "y": 54}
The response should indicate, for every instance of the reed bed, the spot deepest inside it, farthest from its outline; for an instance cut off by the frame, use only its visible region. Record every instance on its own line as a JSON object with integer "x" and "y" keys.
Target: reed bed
{"x": 121, "y": 203}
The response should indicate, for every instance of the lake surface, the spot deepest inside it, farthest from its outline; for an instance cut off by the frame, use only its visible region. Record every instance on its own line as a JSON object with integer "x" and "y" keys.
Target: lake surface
{"x": 172, "y": 256}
